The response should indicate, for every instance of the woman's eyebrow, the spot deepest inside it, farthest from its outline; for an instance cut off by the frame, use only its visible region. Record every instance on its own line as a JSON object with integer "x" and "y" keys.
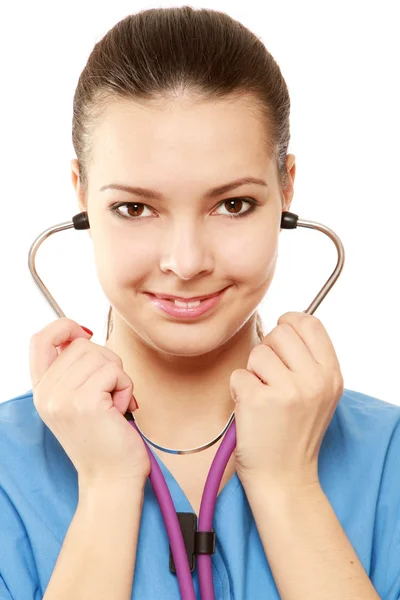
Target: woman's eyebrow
{"x": 217, "y": 191}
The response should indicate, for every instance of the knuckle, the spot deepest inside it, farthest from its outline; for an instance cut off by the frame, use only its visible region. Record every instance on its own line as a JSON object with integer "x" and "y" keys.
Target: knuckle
{"x": 109, "y": 355}
{"x": 318, "y": 380}
{"x": 109, "y": 367}
{"x": 95, "y": 359}
{"x": 81, "y": 405}
{"x": 258, "y": 351}
{"x": 338, "y": 383}
{"x": 312, "y": 321}
{"x": 272, "y": 334}
{"x": 34, "y": 339}
{"x": 60, "y": 321}
{"x": 236, "y": 376}
{"x": 79, "y": 342}
{"x": 279, "y": 330}
{"x": 117, "y": 360}
{"x": 284, "y": 327}
{"x": 52, "y": 407}
{"x": 291, "y": 397}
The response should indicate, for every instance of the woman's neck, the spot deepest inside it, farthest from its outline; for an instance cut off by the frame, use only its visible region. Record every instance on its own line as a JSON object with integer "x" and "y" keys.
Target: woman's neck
{"x": 185, "y": 401}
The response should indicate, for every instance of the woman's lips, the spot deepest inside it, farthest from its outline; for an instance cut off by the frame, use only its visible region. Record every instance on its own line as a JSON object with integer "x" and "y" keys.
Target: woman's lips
{"x": 186, "y": 311}
{"x": 166, "y": 297}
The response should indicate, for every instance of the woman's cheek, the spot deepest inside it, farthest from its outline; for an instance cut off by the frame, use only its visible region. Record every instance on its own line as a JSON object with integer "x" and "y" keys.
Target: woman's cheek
{"x": 252, "y": 260}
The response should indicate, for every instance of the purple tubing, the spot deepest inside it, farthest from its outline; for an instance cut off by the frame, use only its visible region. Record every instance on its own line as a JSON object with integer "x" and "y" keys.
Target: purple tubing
{"x": 207, "y": 505}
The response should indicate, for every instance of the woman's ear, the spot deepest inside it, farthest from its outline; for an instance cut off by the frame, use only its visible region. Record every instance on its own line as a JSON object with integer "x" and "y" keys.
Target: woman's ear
{"x": 77, "y": 186}
{"x": 288, "y": 192}
{"x": 75, "y": 174}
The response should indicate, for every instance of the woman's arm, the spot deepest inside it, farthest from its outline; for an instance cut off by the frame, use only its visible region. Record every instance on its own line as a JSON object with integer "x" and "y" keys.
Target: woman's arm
{"x": 310, "y": 556}
{"x": 97, "y": 559}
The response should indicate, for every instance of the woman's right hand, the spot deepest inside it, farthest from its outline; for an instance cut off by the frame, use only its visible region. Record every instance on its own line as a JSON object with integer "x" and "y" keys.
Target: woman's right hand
{"x": 82, "y": 393}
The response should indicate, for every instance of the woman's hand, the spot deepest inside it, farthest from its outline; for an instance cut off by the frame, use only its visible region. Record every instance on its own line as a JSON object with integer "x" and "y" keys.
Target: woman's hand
{"x": 285, "y": 400}
{"x": 82, "y": 393}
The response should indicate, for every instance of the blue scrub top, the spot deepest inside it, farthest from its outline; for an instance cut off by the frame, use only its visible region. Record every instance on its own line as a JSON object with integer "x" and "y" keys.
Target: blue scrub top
{"x": 358, "y": 469}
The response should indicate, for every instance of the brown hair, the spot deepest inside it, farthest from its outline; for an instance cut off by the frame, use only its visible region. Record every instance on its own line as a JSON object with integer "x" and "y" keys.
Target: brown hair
{"x": 162, "y": 52}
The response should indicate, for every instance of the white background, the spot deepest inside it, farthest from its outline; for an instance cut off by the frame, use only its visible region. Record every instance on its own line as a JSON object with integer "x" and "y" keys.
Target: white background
{"x": 341, "y": 64}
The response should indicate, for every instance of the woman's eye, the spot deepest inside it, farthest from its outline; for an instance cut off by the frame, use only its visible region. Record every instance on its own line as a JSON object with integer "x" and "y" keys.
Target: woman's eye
{"x": 132, "y": 208}
{"x": 235, "y": 201}
{"x": 135, "y": 209}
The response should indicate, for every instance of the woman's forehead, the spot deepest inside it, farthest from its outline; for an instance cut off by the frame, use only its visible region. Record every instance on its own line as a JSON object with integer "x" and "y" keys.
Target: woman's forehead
{"x": 201, "y": 141}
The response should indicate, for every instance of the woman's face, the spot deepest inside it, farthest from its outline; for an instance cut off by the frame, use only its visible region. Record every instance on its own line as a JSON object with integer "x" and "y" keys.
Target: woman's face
{"x": 187, "y": 243}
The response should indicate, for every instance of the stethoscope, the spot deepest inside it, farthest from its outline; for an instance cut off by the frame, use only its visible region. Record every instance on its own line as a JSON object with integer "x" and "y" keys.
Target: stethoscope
{"x": 204, "y": 538}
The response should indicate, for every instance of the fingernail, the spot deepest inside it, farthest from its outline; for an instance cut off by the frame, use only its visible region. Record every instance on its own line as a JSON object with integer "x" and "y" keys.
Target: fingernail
{"x": 137, "y": 404}
{"x": 87, "y": 330}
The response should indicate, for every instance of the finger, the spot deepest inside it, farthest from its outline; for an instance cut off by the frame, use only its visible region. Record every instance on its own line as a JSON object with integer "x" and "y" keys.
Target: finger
{"x": 244, "y": 386}
{"x": 266, "y": 365}
{"x": 73, "y": 350}
{"x": 75, "y": 373}
{"x": 115, "y": 382}
{"x": 290, "y": 348}
{"x": 68, "y": 362}
{"x": 43, "y": 345}
{"x": 314, "y": 335}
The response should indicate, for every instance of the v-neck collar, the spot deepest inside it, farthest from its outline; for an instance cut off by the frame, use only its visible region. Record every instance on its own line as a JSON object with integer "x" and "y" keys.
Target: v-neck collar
{"x": 181, "y": 502}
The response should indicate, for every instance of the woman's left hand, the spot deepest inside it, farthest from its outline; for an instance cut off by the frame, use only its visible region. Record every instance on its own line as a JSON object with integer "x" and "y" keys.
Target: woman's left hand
{"x": 285, "y": 400}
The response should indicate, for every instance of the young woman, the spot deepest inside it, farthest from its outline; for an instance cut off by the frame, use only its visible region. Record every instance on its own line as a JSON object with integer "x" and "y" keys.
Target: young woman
{"x": 181, "y": 130}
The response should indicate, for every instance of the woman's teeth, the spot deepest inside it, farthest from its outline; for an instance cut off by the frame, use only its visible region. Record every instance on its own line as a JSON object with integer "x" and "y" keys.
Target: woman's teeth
{"x": 186, "y": 304}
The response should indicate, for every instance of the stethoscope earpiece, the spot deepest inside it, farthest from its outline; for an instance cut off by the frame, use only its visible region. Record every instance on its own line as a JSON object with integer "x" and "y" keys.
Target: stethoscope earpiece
{"x": 289, "y": 220}
{"x": 81, "y": 221}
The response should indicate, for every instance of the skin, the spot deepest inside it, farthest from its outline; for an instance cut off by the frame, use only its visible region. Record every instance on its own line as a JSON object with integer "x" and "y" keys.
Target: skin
{"x": 183, "y": 246}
